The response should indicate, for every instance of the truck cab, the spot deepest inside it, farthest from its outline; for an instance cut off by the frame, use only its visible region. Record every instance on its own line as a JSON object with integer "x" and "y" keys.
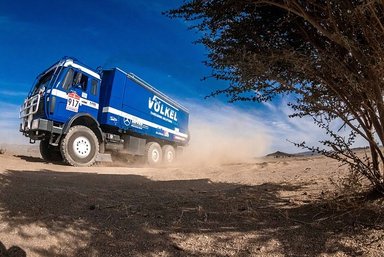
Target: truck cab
{"x": 62, "y": 91}
{"x": 64, "y": 95}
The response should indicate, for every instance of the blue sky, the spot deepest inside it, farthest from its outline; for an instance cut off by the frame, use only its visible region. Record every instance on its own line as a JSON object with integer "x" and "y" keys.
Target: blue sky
{"x": 136, "y": 37}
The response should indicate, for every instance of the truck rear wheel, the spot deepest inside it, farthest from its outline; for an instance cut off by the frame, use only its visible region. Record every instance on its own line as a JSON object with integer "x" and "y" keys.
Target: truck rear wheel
{"x": 49, "y": 152}
{"x": 169, "y": 154}
{"x": 153, "y": 153}
{"x": 80, "y": 146}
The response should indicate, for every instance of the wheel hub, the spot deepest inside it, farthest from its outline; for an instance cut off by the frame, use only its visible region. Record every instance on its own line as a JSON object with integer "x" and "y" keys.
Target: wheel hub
{"x": 169, "y": 156}
{"x": 155, "y": 155}
{"x": 82, "y": 147}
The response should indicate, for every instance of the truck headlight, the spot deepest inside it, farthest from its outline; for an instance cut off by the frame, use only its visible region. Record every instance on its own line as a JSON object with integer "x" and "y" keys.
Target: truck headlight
{"x": 35, "y": 124}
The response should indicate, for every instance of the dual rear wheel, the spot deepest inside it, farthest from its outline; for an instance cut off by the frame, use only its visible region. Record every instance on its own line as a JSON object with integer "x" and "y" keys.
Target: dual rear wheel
{"x": 155, "y": 154}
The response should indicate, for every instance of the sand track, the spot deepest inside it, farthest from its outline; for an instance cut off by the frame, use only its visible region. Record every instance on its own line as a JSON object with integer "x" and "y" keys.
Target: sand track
{"x": 265, "y": 207}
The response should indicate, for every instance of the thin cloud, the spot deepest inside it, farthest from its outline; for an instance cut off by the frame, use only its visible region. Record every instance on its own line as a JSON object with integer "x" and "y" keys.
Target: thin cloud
{"x": 4, "y": 92}
{"x": 13, "y": 89}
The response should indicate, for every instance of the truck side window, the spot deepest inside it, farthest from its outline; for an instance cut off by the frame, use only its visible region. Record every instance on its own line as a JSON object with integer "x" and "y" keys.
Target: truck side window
{"x": 68, "y": 79}
{"x": 94, "y": 87}
{"x": 80, "y": 80}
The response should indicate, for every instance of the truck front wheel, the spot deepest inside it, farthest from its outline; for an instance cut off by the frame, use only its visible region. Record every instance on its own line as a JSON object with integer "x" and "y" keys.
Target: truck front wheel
{"x": 169, "y": 154}
{"x": 49, "y": 152}
{"x": 153, "y": 153}
{"x": 80, "y": 146}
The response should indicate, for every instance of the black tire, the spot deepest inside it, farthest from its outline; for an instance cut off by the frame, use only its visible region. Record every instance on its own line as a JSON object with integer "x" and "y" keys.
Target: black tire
{"x": 49, "y": 152}
{"x": 169, "y": 154}
{"x": 153, "y": 153}
{"x": 80, "y": 147}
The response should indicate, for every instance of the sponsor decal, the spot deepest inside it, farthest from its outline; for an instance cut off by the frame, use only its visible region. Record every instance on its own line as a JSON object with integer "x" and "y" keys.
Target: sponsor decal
{"x": 163, "y": 133}
{"x": 161, "y": 109}
{"x": 127, "y": 122}
{"x": 134, "y": 124}
{"x": 113, "y": 119}
{"x": 73, "y": 102}
{"x": 92, "y": 104}
{"x": 179, "y": 138}
{"x": 138, "y": 125}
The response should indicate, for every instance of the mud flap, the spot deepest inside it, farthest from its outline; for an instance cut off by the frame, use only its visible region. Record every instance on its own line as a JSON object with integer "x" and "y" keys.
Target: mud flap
{"x": 104, "y": 157}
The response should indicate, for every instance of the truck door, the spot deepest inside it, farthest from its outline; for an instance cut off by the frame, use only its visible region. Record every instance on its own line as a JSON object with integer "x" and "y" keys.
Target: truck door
{"x": 78, "y": 93}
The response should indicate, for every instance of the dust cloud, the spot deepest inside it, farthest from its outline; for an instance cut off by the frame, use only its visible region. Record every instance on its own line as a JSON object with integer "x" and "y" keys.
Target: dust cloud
{"x": 9, "y": 126}
{"x": 221, "y": 134}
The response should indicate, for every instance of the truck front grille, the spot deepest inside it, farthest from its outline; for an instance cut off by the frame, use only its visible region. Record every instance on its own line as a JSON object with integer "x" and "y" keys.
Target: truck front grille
{"x": 30, "y": 107}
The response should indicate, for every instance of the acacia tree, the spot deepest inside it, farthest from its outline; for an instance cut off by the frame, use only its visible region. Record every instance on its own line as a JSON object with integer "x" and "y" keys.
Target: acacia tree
{"x": 328, "y": 54}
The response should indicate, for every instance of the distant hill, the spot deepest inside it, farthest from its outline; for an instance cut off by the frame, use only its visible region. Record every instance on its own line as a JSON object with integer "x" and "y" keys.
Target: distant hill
{"x": 279, "y": 154}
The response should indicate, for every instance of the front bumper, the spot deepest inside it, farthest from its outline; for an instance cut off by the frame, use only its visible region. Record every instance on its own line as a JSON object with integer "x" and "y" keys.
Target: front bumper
{"x": 38, "y": 128}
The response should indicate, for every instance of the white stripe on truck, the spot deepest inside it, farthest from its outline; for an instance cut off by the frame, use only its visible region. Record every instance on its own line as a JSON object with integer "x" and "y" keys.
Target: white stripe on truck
{"x": 83, "y": 101}
{"x": 136, "y": 119}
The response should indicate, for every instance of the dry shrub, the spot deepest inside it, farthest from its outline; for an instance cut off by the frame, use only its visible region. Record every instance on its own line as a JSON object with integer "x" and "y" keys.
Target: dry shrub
{"x": 352, "y": 183}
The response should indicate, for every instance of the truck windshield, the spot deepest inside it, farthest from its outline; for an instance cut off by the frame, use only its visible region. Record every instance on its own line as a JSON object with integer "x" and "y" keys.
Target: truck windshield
{"x": 43, "y": 82}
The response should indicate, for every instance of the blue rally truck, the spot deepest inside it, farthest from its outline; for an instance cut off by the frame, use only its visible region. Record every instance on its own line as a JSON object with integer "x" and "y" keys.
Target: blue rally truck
{"x": 77, "y": 113}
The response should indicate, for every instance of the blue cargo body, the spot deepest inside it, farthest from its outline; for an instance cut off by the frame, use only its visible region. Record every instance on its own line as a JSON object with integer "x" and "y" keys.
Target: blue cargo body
{"x": 131, "y": 104}
{"x": 77, "y": 112}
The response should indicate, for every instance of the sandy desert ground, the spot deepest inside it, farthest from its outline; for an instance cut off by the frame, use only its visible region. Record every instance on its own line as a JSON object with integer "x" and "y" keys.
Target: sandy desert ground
{"x": 263, "y": 207}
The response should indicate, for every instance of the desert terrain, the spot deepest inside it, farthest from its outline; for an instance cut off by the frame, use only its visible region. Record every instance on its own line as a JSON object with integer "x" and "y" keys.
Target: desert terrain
{"x": 286, "y": 206}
